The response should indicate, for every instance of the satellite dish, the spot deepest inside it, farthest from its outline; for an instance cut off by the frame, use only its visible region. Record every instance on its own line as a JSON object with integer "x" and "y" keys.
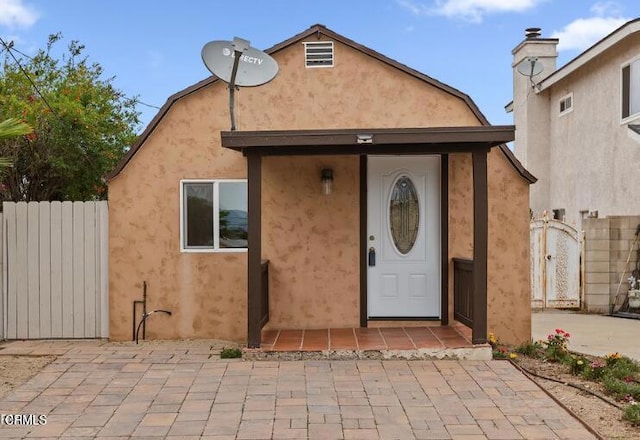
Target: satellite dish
{"x": 530, "y": 67}
{"x": 239, "y": 65}
{"x": 254, "y": 67}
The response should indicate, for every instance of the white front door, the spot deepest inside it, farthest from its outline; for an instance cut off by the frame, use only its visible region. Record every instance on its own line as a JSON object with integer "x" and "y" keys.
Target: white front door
{"x": 403, "y": 237}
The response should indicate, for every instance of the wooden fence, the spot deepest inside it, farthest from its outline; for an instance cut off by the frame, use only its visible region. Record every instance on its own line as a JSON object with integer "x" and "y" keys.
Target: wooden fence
{"x": 54, "y": 270}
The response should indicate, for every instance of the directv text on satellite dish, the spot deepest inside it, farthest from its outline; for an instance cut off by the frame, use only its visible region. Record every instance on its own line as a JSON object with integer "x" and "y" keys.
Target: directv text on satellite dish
{"x": 256, "y": 68}
{"x": 244, "y": 58}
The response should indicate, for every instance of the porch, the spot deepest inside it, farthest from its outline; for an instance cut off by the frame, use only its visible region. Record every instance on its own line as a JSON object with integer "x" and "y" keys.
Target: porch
{"x": 368, "y": 338}
{"x": 474, "y": 141}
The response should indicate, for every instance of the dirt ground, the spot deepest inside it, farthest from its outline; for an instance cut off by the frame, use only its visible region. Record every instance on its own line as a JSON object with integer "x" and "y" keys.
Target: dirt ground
{"x": 15, "y": 370}
{"x": 601, "y": 416}
{"x": 605, "y": 418}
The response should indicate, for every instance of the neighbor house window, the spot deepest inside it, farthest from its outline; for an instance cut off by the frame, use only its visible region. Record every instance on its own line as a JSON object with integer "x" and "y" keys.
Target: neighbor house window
{"x": 213, "y": 215}
{"x": 566, "y": 104}
{"x": 631, "y": 89}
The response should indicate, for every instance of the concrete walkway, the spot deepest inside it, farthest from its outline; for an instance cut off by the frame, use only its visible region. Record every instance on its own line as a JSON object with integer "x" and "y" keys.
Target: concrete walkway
{"x": 590, "y": 334}
{"x": 120, "y": 390}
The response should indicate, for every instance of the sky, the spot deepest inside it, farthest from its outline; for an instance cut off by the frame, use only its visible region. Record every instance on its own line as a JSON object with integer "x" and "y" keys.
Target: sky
{"x": 152, "y": 47}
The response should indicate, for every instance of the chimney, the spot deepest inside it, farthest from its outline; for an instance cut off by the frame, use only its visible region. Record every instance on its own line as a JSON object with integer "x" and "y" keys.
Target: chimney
{"x": 531, "y": 110}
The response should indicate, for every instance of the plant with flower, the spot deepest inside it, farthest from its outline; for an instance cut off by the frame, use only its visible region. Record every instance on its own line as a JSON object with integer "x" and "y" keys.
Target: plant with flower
{"x": 595, "y": 370}
{"x": 556, "y": 345}
{"x": 577, "y": 364}
{"x": 612, "y": 358}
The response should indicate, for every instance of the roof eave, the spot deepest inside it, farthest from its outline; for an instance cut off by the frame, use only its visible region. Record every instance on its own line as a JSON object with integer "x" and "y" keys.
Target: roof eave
{"x": 624, "y": 31}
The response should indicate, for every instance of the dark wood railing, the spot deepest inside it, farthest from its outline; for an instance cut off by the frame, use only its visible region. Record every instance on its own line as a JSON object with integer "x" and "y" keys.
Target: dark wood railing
{"x": 264, "y": 293}
{"x": 463, "y": 291}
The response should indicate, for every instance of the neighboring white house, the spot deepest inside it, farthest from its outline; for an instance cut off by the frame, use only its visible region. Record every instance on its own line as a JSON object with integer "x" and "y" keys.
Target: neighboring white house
{"x": 578, "y": 127}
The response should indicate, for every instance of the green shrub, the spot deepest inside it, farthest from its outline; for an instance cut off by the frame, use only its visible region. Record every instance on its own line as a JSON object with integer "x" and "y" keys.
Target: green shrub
{"x": 595, "y": 370}
{"x": 621, "y": 389}
{"x": 531, "y": 349}
{"x": 632, "y": 414}
{"x": 577, "y": 364}
{"x": 230, "y": 353}
{"x": 621, "y": 368}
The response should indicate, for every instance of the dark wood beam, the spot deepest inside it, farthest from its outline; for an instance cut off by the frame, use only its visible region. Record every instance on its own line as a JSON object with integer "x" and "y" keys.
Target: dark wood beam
{"x": 480, "y": 243}
{"x": 444, "y": 234}
{"x": 254, "y": 257}
{"x": 349, "y": 149}
{"x": 365, "y": 138}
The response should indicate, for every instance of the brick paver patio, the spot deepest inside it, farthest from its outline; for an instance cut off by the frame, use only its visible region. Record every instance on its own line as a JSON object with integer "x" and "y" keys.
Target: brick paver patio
{"x": 109, "y": 390}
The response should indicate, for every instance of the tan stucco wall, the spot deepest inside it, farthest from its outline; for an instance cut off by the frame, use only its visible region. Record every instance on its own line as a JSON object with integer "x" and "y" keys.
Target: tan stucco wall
{"x": 508, "y": 288}
{"x": 508, "y": 282}
{"x": 311, "y": 240}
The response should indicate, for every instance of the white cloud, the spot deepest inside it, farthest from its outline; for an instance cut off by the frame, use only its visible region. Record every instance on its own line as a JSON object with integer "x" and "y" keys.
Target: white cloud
{"x": 581, "y": 33}
{"x": 603, "y": 9}
{"x": 15, "y": 13}
{"x": 470, "y": 10}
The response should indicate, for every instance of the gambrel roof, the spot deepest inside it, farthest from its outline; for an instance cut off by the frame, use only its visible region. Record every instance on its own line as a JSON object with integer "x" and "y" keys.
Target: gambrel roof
{"x": 321, "y": 30}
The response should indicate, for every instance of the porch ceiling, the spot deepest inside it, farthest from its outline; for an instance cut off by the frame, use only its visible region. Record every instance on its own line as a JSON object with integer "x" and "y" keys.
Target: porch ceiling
{"x": 432, "y": 140}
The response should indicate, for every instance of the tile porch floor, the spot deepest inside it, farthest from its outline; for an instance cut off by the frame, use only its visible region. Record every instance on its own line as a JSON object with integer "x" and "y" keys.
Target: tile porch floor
{"x": 371, "y": 338}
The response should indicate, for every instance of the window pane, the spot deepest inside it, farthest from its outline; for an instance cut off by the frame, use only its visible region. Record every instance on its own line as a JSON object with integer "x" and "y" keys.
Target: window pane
{"x": 404, "y": 215}
{"x": 625, "y": 90}
{"x": 634, "y": 88}
{"x": 232, "y": 197}
{"x": 199, "y": 214}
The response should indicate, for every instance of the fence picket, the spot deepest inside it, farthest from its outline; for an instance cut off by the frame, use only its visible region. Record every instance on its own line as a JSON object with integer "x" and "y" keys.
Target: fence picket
{"x": 44, "y": 269}
{"x": 67, "y": 269}
{"x": 21, "y": 269}
{"x": 56, "y": 269}
{"x": 11, "y": 308}
{"x": 89, "y": 293}
{"x": 78, "y": 269}
{"x": 103, "y": 265}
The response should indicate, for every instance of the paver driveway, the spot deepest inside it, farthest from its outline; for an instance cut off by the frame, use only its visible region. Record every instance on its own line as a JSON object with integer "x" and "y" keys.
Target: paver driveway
{"x": 119, "y": 391}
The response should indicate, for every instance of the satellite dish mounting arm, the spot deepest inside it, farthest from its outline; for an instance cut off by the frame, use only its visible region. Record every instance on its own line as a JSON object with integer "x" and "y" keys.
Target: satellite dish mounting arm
{"x": 239, "y": 46}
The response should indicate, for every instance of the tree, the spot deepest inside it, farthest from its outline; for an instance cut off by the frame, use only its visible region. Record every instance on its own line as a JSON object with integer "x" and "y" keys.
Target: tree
{"x": 82, "y": 125}
{"x": 11, "y": 128}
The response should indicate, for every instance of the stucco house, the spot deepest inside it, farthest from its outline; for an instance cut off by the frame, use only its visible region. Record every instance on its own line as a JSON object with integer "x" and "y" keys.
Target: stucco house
{"x": 350, "y": 186}
{"x": 578, "y": 125}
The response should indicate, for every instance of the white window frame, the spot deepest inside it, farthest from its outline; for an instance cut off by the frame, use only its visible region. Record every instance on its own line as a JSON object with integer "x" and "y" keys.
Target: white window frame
{"x": 632, "y": 116}
{"x": 566, "y": 110}
{"x": 216, "y": 218}
{"x": 318, "y": 43}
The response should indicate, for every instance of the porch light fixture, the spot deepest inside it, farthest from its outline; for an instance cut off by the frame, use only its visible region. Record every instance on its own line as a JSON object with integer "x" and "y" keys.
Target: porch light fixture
{"x": 327, "y": 181}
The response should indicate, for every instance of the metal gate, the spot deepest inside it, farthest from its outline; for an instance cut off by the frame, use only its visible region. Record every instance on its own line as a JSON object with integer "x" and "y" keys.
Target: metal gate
{"x": 555, "y": 264}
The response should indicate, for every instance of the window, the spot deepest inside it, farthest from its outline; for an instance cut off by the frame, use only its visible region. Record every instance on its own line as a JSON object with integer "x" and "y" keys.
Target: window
{"x": 213, "y": 215}
{"x": 631, "y": 89}
{"x": 318, "y": 54}
{"x": 566, "y": 104}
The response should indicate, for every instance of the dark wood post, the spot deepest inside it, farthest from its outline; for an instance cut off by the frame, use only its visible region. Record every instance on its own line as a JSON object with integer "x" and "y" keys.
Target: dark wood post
{"x": 480, "y": 243}
{"x": 364, "y": 316}
{"x": 254, "y": 257}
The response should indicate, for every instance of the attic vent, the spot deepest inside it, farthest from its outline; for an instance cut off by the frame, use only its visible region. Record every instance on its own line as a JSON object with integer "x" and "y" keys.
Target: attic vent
{"x": 318, "y": 54}
{"x": 566, "y": 104}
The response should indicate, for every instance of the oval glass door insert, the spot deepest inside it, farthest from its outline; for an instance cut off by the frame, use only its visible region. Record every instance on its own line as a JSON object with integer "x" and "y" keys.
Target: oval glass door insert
{"x": 404, "y": 214}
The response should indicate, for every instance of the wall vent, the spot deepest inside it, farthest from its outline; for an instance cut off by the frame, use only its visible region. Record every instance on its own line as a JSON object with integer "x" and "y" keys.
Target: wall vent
{"x": 566, "y": 104}
{"x": 318, "y": 54}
